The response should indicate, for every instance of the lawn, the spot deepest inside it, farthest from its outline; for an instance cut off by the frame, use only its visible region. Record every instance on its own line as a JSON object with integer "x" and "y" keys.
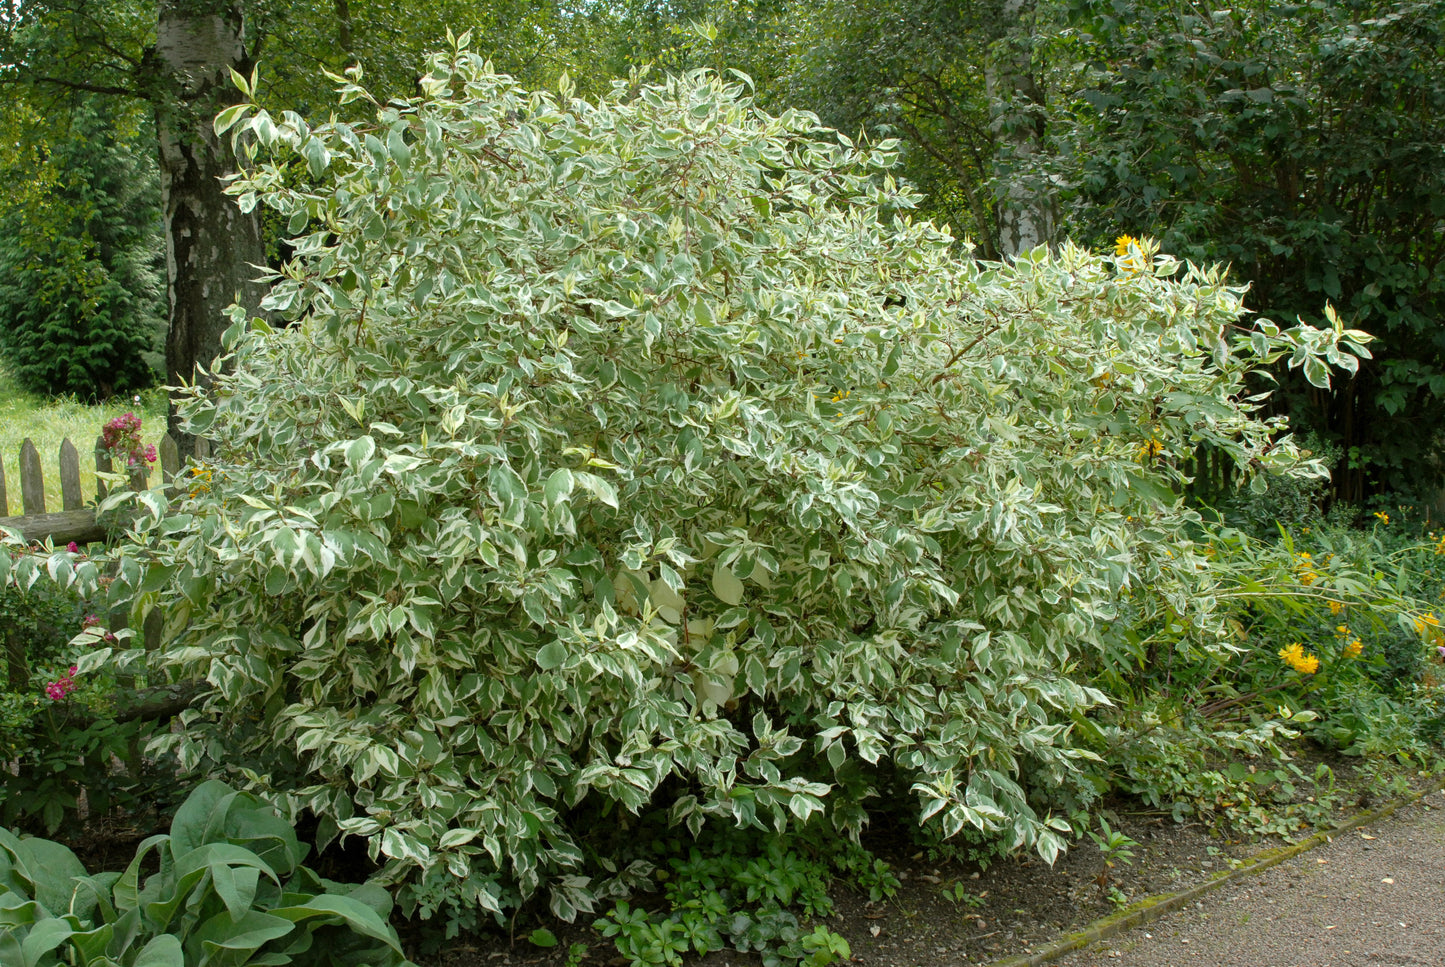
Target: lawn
{"x": 48, "y": 421}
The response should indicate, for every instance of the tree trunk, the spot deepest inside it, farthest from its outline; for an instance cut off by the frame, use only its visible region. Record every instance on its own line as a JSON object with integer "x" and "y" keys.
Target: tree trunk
{"x": 1027, "y": 211}
{"x": 212, "y": 248}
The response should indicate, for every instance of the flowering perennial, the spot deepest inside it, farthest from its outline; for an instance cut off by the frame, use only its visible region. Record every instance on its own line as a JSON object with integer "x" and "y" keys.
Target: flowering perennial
{"x": 121, "y": 436}
{"x": 1294, "y": 656}
{"x": 59, "y": 689}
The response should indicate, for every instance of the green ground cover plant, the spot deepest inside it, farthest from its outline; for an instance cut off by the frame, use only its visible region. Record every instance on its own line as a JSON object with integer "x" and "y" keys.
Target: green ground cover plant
{"x": 646, "y": 452}
{"x": 224, "y": 887}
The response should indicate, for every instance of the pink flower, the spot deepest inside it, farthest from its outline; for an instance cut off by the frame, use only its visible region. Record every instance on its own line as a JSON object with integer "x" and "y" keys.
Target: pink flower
{"x": 73, "y": 547}
{"x": 59, "y": 689}
{"x": 121, "y": 436}
{"x": 90, "y": 621}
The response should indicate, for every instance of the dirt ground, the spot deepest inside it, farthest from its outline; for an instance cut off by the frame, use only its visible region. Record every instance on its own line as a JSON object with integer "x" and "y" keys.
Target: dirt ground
{"x": 948, "y": 912}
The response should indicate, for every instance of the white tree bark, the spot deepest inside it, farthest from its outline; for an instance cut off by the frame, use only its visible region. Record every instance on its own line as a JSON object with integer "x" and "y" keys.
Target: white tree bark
{"x": 1027, "y": 214}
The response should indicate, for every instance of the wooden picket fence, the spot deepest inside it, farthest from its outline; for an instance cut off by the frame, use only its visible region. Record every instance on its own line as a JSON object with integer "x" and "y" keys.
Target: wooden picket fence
{"x": 74, "y": 521}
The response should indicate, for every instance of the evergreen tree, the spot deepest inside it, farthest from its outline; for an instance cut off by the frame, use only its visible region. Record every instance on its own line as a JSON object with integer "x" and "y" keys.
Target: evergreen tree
{"x": 81, "y": 297}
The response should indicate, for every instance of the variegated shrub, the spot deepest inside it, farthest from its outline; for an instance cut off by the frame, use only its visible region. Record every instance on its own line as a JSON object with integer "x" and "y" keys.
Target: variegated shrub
{"x": 645, "y": 452}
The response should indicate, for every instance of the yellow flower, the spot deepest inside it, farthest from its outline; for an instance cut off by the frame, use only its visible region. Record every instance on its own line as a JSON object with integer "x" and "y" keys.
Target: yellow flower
{"x": 1122, "y": 243}
{"x": 1342, "y": 631}
{"x": 1336, "y": 607}
{"x": 1294, "y": 656}
{"x": 1383, "y": 517}
{"x": 1151, "y": 448}
{"x": 1353, "y": 649}
{"x": 1424, "y": 622}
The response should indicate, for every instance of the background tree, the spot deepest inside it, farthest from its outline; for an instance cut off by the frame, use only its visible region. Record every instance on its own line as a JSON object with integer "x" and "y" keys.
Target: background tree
{"x": 1304, "y": 145}
{"x": 961, "y": 84}
{"x": 175, "y": 58}
{"x": 81, "y": 300}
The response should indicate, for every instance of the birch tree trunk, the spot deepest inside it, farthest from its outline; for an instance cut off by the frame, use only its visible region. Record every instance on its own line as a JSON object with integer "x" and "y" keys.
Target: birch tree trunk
{"x": 212, "y": 248}
{"x": 1027, "y": 211}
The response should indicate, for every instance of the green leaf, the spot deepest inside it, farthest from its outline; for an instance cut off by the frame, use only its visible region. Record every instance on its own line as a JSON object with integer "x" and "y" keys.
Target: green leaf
{"x": 253, "y": 931}
{"x": 356, "y": 915}
{"x": 726, "y": 586}
{"x": 51, "y": 868}
{"x": 162, "y": 951}
{"x": 44, "y": 937}
{"x": 551, "y": 655}
{"x": 558, "y": 487}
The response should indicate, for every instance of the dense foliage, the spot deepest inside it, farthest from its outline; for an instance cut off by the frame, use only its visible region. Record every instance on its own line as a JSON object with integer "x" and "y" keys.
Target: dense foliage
{"x": 224, "y": 887}
{"x": 1304, "y": 144}
{"x": 81, "y": 302}
{"x": 646, "y": 448}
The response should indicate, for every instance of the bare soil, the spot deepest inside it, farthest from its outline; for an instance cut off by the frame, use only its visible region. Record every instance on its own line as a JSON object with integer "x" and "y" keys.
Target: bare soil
{"x": 946, "y": 911}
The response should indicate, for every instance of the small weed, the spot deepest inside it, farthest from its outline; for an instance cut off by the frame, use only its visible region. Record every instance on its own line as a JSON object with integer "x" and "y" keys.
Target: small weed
{"x": 1113, "y": 844}
{"x": 957, "y": 894}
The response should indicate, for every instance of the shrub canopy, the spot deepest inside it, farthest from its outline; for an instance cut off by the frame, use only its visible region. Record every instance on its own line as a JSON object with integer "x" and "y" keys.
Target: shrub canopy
{"x": 645, "y": 452}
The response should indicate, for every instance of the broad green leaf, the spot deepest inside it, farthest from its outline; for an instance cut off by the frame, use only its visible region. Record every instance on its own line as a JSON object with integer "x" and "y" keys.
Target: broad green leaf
{"x": 726, "y": 585}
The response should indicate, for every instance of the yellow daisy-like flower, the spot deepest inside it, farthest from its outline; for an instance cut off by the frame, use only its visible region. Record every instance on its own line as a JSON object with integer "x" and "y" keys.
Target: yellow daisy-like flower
{"x": 1353, "y": 649}
{"x": 1426, "y": 622}
{"x": 1295, "y": 657}
{"x": 1122, "y": 243}
{"x": 1382, "y": 517}
{"x": 1151, "y": 448}
{"x": 201, "y": 479}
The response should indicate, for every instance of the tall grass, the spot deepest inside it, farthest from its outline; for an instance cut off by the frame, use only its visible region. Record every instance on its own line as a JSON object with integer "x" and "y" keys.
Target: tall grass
{"x": 48, "y": 421}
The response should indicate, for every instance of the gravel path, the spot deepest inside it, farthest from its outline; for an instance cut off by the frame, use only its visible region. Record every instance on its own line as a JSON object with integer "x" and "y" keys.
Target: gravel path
{"x": 1374, "y": 897}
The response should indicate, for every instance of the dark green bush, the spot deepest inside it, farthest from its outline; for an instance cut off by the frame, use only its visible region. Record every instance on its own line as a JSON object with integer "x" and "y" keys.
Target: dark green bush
{"x": 81, "y": 300}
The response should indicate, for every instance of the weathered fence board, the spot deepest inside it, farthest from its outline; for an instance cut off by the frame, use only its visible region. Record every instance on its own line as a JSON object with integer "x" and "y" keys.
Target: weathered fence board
{"x": 102, "y": 465}
{"x": 70, "y": 498}
{"x": 32, "y": 484}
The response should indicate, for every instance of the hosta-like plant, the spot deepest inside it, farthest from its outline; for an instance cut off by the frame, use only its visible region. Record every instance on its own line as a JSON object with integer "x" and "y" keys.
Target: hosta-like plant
{"x": 224, "y": 888}
{"x": 645, "y": 451}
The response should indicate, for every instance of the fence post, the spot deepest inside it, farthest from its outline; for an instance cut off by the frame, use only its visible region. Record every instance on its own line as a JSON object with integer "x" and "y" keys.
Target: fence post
{"x": 170, "y": 456}
{"x": 32, "y": 484}
{"x": 102, "y": 465}
{"x": 70, "y": 498}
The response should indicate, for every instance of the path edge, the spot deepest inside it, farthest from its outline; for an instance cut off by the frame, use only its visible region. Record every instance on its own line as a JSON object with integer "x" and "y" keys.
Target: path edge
{"x": 1158, "y": 905}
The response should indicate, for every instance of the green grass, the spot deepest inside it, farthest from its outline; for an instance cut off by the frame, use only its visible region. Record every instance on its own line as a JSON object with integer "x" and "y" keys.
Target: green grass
{"x": 48, "y": 421}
